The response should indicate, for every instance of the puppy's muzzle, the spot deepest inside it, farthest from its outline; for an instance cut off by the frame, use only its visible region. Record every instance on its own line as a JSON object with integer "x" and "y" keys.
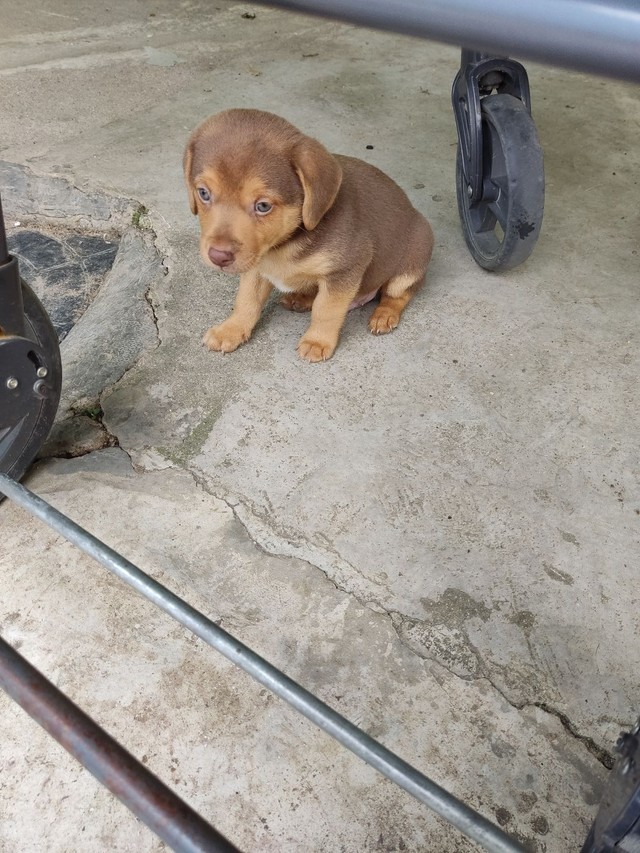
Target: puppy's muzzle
{"x": 221, "y": 257}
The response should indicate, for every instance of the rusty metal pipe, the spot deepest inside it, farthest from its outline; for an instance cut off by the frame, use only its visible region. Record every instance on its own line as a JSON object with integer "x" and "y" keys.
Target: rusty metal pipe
{"x": 144, "y": 794}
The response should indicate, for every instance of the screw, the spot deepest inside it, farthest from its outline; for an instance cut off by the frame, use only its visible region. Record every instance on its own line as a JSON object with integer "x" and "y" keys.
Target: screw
{"x": 41, "y": 372}
{"x": 12, "y": 383}
{"x": 469, "y": 190}
{"x": 40, "y": 388}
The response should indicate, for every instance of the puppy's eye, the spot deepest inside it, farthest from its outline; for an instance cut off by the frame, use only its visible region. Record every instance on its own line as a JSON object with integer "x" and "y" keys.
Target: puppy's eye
{"x": 263, "y": 207}
{"x": 204, "y": 194}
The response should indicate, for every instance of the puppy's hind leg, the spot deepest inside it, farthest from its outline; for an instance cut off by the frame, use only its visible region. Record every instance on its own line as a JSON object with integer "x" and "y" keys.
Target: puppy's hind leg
{"x": 394, "y": 297}
{"x": 299, "y": 300}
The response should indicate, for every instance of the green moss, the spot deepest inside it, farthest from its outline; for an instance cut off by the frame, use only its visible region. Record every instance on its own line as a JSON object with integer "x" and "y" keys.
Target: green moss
{"x": 93, "y": 412}
{"x": 193, "y": 443}
{"x": 137, "y": 215}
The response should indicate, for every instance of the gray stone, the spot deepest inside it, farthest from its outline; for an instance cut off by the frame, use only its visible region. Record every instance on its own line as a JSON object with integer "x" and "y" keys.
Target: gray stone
{"x": 25, "y": 193}
{"x": 63, "y": 268}
{"x": 117, "y": 327}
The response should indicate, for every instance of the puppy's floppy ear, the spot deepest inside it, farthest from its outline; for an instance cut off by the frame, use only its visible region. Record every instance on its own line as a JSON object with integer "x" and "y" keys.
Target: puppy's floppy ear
{"x": 320, "y": 175}
{"x": 187, "y": 162}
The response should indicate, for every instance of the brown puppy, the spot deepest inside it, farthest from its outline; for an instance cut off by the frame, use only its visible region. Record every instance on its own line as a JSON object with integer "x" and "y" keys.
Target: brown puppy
{"x": 329, "y": 231}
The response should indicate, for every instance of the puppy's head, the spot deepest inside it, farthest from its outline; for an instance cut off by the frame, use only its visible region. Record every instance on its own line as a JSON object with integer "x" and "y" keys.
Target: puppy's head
{"x": 254, "y": 180}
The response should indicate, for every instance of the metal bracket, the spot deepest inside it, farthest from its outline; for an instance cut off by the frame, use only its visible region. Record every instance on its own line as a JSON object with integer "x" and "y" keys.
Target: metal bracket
{"x": 480, "y": 75}
{"x": 25, "y": 379}
{"x": 11, "y": 308}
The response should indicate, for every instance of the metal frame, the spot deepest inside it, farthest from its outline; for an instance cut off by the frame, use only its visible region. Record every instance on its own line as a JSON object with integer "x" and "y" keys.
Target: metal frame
{"x": 587, "y": 35}
{"x": 12, "y": 315}
{"x": 478, "y": 76}
{"x": 25, "y": 375}
{"x": 454, "y": 811}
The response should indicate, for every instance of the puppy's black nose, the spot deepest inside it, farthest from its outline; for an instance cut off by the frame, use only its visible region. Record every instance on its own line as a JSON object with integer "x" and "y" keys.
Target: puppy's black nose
{"x": 220, "y": 257}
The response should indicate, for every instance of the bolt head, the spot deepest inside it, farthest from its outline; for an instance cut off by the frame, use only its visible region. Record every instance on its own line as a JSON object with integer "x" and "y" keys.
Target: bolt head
{"x": 12, "y": 383}
{"x": 469, "y": 190}
{"x": 40, "y": 388}
{"x": 41, "y": 372}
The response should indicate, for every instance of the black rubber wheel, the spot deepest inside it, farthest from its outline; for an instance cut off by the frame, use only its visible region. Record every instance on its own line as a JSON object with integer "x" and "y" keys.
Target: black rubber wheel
{"x": 502, "y": 228}
{"x": 20, "y": 444}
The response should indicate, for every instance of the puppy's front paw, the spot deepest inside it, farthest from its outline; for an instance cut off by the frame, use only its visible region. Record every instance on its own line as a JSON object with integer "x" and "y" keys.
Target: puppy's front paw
{"x": 313, "y": 351}
{"x": 383, "y": 320}
{"x": 226, "y": 337}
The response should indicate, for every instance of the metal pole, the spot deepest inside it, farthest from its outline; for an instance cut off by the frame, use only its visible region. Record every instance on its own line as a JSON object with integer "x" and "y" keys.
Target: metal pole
{"x": 4, "y": 249}
{"x": 157, "y": 806}
{"x": 588, "y": 35}
{"x": 466, "y": 819}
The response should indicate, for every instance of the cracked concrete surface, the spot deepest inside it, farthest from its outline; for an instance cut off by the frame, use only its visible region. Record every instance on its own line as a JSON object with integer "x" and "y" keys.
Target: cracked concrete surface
{"x": 436, "y": 531}
{"x": 264, "y": 776}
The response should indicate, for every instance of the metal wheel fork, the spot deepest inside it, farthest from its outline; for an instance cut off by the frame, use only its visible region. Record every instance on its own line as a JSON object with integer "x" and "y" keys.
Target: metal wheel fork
{"x": 30, "y": 369}
{"x": 499, "y": 168}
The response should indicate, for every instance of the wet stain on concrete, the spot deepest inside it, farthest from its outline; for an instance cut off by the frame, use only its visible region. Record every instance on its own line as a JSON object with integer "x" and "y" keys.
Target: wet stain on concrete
{"x": 503, "y": 816}
{"x": 501, "y": 748}
{"x": 526, "y": 801}
{"x": 454, "y": 607}
{"x": 557, "y": 575}
{"x": 569, "y": 537}
{"x": 524, "y": 619}
{"x": 540, "y": 825}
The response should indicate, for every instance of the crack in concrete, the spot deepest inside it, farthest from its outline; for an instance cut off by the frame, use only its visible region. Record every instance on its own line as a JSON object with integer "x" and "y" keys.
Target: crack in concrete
{"x": 602, "y": 755}
{"x": 164, "y": 261}
{"x": 599, "y": 753}
{"x": 291, "y": 551}
{"x": 201, "y": 481}
{"x": 149, "y": 300}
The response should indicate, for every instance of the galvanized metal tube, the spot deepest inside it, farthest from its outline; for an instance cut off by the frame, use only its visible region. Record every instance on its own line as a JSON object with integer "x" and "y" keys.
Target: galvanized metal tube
{"x": 157, "y": 806}
{"x": 466, "y": 819}
{"x": 588, "y": 35}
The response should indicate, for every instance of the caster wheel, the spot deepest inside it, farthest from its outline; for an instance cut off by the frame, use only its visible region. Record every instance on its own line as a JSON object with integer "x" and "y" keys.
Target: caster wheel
{"x": 502, "y": 227}
{"x": 616, "y": 828}
{"x": 19, "y": 444}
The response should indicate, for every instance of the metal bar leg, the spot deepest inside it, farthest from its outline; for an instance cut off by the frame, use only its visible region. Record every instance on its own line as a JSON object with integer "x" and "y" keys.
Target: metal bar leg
{"x": 164, "y": 812}
{"x": 466, "y": 819}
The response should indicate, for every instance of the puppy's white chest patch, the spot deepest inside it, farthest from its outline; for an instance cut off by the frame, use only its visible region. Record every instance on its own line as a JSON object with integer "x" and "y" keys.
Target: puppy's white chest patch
{"x": 278, "y": 283}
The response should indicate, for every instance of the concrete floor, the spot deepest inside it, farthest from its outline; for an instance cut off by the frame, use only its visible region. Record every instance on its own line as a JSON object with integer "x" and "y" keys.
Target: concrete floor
{"x": 437, "y": 531}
